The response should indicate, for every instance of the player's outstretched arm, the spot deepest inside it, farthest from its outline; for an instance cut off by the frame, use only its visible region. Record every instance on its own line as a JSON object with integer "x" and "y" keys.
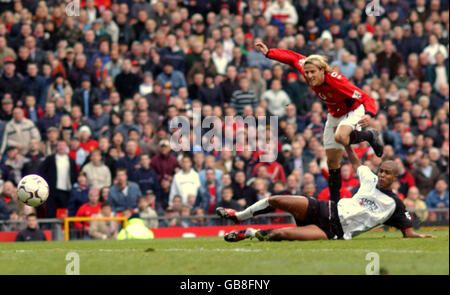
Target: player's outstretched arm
{"x": 285, "y": 56}
{"x": 409, "y": 233}
{"x": 352, "y": 157}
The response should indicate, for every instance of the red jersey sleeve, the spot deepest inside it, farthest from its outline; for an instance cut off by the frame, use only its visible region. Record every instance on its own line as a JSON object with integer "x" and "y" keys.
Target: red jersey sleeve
{"x": 287, "y": 57}
{"x": 343, "y": 85}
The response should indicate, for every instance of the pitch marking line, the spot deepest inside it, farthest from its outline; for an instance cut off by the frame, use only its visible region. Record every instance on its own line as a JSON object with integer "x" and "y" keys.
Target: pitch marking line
{"x": 226, "y": 250}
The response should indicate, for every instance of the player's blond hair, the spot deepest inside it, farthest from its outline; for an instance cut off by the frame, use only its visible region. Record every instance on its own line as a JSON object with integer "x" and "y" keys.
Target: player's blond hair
{"x": 319, "y": 61}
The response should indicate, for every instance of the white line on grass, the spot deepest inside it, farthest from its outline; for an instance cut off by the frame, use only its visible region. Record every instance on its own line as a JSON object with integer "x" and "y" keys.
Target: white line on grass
{"x": 223, "y": 250}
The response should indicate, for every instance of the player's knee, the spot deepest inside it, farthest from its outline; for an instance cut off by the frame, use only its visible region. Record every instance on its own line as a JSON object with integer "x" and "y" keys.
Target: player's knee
{"x": 341, "y": 138}
{"x": 274, "y": 201}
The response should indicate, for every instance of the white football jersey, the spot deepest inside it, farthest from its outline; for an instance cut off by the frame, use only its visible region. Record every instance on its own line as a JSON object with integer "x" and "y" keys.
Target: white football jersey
{"x": 367, "y": 209}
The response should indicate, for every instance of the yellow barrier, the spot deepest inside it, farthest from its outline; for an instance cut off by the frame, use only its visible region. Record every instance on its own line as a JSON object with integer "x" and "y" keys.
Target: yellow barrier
{"x": 79, "y": 219}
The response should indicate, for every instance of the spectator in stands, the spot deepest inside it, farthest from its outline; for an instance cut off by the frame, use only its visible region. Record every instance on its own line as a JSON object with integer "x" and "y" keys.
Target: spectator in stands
{"x": 19, "y": 131}
{"x": 388, "y": 58}
{"x": 104, "y": 229}
{"x": 127, "y": 83}
{"x": 319, "y": 179}
{"x": 9, "y": 197}
{"x": 76, "y": 153}
{"x": 405, "y": 177}
{"x": 426, "y": 174}
{"x": 123, "y": 194}
{"x": 86, "y": 96}
{"x": 171, "y": 75}
{"x": 131, "y": 161}
{"x": 50, "y": 119}
{"x": 78, "y": 195}
{"x": 32, "y": 232}
{"x": 242, "y": 193}
{"x": 414, "y": 202}
{"x": 209, "y": 194}
{"x": 4, "y": 213}
{"x": 34, "y": 158}
{"x": 243, "y": 97}
{"x": 164, "y": 163}
{"x": 438, "y": 198}
{"x": 146, "y": 177}
{"x": 5, "y": 51}
{"x": 230, "y": 84}
{"x": 147, "y": 213}
{"x": 31, "y": 110}
{"x": 10, "y": 81}
{"x": 276, "y": 98}
{"x": 98, "y": 121}
{"x": 127, "y": 124}
{"x": 15, "y": 161}
{"x": 185, "y": 182}
{"x": 59, "y": 88}
{"x": 402, "y": 66}
{"x": 309, "y": 190}
{"x": 6, "y": 109}
{"x": 210, "y": 93}
{"x": 88, "y": 209}
{"x": 60, "y": 172}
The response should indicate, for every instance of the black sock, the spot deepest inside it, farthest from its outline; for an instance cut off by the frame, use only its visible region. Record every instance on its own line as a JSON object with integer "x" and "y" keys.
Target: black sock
{"x": 334, "y": 183}
{"x": 265, "y": 232}
{"x": 359, "y": 136}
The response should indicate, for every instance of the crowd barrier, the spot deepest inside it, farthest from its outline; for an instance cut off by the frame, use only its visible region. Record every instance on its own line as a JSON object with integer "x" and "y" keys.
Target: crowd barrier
{"x": 60, "y": 229}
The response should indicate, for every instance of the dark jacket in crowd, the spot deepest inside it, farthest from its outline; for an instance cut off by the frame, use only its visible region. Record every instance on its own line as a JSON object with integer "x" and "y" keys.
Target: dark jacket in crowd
{"x": 228, "y": 88}
{"x": 94, "y": 98}
{"x": 46, "y": 122}
{"x": 426, "y": 184}
{"x": 28, "y": 235}
{"x": 147, "y": 179}
{"x": 38, "y": 87}
{"x": 211, "y": 96}
{"x": 129, "y": 164}
{"x": 127, "y": 84}
{"x": 78, "y": 197}
{"x": 32, "y": 166}
{"x": 14, "y": 85}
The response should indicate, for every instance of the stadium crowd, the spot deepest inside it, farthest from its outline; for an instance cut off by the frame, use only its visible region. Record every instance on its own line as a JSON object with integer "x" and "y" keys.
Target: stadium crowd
{"x": 86, "y": 101}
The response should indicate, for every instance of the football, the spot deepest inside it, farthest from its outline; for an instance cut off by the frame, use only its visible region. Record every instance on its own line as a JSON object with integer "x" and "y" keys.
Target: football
{"x": 32, "y": 190}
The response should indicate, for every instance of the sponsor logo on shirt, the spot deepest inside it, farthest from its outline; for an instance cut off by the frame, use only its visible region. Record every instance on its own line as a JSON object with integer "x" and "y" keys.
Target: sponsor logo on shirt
{"x": 369, "y": 204}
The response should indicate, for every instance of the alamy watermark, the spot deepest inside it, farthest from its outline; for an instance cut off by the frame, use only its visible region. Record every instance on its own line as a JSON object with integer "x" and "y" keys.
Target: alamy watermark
{"x": 72, "y": 7}
{"x": 233, "y": 133}
{"x": 373, "y": 267}
{"x": 373, "y": 8}
{"x": 73, "y": 267}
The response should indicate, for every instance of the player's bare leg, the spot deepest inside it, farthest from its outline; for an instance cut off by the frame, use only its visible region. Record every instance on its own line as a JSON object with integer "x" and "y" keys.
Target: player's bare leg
{"x": 334, "y": 157}
{"x": 345, "y": 135}
{"x": 296, "y": 205}
{"x": 342, "y": 134}
{"x": 309, "y": 232}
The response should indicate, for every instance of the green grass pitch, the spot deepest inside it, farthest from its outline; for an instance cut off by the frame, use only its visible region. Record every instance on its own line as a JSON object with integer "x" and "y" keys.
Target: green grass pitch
{"x": 212, "y": 256}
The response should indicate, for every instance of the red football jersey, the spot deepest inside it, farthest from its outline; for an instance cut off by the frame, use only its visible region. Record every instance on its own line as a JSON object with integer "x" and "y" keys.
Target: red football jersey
{"x": 336, "y": 92}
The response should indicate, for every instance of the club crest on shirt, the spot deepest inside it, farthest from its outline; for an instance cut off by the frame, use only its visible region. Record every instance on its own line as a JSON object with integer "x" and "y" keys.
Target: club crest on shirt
{"x": 301, "y": 62}
{"x": 322, "y": 96}
{"x": 356, "y": 94}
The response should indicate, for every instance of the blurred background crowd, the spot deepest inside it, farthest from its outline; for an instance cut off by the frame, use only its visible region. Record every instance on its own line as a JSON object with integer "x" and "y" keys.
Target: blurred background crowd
{"x": 87, "y": 97}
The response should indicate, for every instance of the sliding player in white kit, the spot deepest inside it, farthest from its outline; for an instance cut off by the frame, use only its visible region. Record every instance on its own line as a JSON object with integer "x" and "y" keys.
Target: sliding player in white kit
{"x": 373, "y": 205}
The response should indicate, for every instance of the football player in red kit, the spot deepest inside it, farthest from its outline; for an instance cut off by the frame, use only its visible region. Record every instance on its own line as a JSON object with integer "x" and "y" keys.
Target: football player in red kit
{"x": 349, "y": 108}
